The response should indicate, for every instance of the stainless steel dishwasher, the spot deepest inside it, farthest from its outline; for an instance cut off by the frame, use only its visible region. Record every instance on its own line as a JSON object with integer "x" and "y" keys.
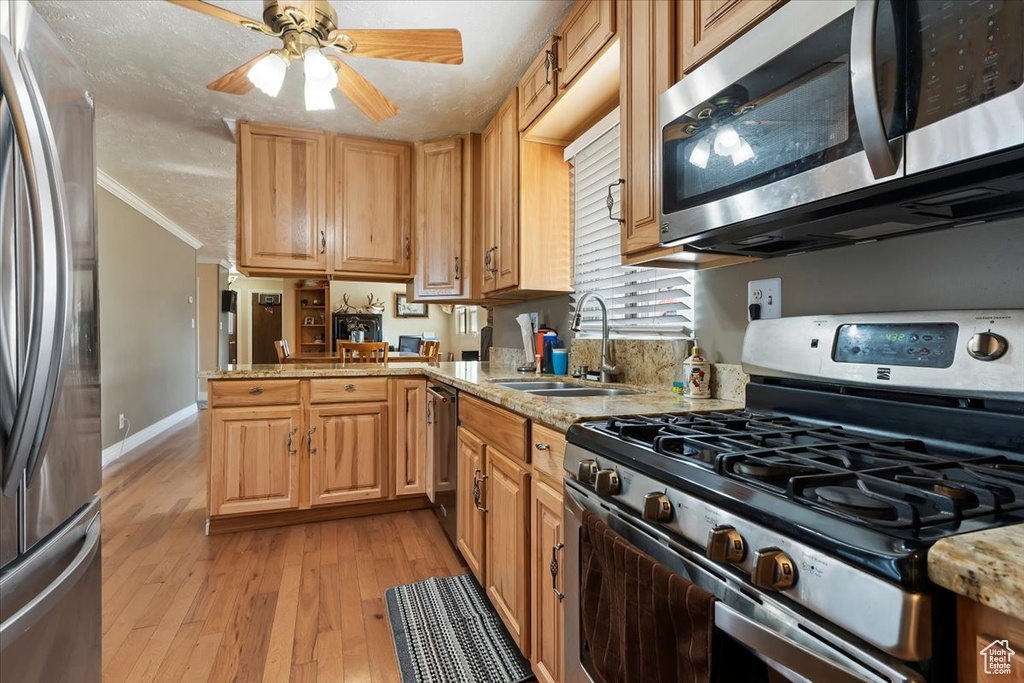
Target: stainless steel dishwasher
{"x": 442, "y": 424}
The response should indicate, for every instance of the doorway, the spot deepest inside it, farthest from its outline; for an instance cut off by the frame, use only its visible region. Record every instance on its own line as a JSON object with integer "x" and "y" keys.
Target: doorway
{"x": 266, "y": 327}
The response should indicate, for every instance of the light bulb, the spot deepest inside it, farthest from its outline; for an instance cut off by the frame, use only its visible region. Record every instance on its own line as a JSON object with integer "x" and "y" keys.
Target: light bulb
{"x": 744, "y": 153}
{"x": 318, "y": 98}
{"x": 268, "y": 73}
{"x": 318, "y": 69}
{"x": 727, "y": 141}
{"x": 701, "y": 153}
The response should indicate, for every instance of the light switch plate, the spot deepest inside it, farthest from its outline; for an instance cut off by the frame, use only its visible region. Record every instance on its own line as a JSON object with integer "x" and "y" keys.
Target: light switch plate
{"x": 767, "y": 293}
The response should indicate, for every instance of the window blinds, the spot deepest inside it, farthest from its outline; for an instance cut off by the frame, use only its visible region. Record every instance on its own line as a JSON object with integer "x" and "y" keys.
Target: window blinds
{"x": 640, "y": 300}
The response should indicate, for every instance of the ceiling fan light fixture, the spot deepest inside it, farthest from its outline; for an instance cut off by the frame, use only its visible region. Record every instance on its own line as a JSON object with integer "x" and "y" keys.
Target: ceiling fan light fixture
{"x": 319, "y": 71}
{"x": 701, "y": 153}
{"x": 318, "y": 98}
{"x": 727, "y": 141}
{"x": 268, "y": 73}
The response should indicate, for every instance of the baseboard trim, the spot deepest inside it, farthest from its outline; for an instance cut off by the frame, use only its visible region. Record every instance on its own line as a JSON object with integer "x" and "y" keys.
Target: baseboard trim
{"x": 125, "y": 446}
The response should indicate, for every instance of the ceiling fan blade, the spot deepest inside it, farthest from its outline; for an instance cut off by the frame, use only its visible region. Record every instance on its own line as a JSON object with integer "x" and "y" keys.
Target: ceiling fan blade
{"x": 219, "y": 13}
{"x": 236, "y": 81}
{"x": 437, "y": 45}
{"x": 363, "y": 94}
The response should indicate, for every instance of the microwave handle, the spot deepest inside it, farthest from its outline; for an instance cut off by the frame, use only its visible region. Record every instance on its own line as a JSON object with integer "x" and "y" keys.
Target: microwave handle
{"x": 866, "y": 106}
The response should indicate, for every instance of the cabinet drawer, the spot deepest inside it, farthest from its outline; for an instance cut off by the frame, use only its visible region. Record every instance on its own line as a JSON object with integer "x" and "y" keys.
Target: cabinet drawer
{"x": 345, "y": 389}
{"x": 497, "y": 427}
{"x": 254, "y": 392}
{"x": 547, "y": 448}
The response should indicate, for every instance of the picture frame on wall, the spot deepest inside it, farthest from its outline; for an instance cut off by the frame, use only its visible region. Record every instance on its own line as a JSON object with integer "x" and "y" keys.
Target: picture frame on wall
{"x": 404, "y": 309}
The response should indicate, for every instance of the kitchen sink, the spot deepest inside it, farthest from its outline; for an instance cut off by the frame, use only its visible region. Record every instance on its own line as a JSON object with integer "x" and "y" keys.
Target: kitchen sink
{"x": 531, "y": 386}
{"x": 575, "y": 392}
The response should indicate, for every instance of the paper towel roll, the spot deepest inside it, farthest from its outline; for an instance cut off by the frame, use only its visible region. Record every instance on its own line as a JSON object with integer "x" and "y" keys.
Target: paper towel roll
{"x": 527, "y": 328}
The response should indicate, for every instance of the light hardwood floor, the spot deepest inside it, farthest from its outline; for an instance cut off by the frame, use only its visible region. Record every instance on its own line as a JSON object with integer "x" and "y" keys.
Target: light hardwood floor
{"x": 301, "y": 603}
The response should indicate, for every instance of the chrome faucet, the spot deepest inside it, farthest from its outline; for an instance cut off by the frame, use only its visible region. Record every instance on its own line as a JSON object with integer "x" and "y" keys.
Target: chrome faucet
{"x": 608, "y": 371}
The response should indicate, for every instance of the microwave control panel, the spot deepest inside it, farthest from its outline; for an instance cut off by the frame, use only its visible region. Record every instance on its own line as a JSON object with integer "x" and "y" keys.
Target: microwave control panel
{"x": 970, "y": 52}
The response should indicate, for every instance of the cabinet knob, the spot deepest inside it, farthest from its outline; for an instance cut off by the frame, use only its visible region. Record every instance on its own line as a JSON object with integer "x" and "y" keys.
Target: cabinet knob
{"x": 606, "y": 482}
{"x": 541, "y": 446}
{"x": 987, "y": 346}
{"x": 350, "y": 387}
{"x": 256, "y": 390}
{"x": 773, "y": 570}
{"x": 726, "y": 545}
{"x": 657, "y": 507}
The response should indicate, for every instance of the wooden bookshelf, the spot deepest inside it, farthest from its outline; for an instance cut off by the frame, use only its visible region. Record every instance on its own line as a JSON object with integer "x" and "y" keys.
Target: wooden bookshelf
{"x": 315, "y": 303}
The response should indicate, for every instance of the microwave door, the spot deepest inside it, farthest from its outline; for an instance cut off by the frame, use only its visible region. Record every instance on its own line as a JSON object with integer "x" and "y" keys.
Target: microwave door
{"x": 785, "y": 116}
{"x": 967, "y": 99}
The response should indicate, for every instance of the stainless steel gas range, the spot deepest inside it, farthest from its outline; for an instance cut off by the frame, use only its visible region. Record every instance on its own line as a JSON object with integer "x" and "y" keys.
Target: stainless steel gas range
{"x": 810, "y": 513}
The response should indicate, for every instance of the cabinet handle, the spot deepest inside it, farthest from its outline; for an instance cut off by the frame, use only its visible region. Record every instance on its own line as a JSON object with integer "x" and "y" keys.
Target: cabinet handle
{"x": 291, "y": 451}
{"x": 549, "y": 65}
{"x": 478, "y": 480}
{"x": 256, "y": 390}
{"x": 555, "y": 66}
{"x": 309, "y": 440}
{"x": 408, "y": 249}
{"x": 540, "y": 446}
{"x": 428, "y": 413}
{"x": 456, "y": 267}
{"x": 553, "y": 568}
{"x": 350, "y": 387}
{"x": 489, "y": 259}
{"x": 323, "y": 242}
{"x": 611, "y": 202}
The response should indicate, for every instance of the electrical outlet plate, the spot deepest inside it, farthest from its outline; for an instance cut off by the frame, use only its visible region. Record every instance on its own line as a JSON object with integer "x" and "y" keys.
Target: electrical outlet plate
{"x": 120, "y": 421}
{"x": 767, "y": 293}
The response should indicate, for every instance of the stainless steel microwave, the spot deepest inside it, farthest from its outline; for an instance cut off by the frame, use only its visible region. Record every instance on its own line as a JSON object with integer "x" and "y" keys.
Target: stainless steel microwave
{"x": 841, "y": 121}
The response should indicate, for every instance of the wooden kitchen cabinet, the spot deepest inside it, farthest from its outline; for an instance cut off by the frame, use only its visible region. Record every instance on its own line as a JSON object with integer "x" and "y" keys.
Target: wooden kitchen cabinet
{"x": 281, "y": 202}
{"x": 470, "y": 524}
{"x": 707, "y": 26}
{"x": 254, "y": 459}
{"x": 501, "y": 230}
{"x": 539, "y": 85}
{"x": 978, "y": 626}
{"x": 371, "y": 206}
{"x": 587, "y": 28}
{"x": 507, "y": 571}
{"x": 409, "y": 398}
{"x": 348, "y": 451}
{"x": 439, "y": 224}
{"x": 547, "y": 553}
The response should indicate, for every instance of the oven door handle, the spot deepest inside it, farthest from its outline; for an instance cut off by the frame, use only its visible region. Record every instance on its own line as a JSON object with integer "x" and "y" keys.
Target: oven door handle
{"x": 866, "y": 106}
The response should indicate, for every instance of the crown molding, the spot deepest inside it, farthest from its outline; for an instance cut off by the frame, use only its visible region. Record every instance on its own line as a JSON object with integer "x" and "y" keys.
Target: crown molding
{"x": 222, "y": 262}
{"x": 133, "y": 200}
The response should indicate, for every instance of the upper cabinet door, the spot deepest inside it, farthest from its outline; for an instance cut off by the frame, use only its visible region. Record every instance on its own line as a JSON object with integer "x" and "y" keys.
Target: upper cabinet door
{"x": 439, "y": 218}
{"x": 538, "y": 86}
{"x": 647, "y": 69}
{"x": 589, "y": 26}
{"x": 371, "y": 208}
{"x": 507, "y": 253}
{"x": 706, "y": 26}
{"x": 491, "y": 192}
{"x": 282, "y": 216}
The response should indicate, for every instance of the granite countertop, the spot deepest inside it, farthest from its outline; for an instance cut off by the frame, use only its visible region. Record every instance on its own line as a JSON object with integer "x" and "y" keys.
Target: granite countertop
{"x": 986, "y": 566}
{"x": 478, "y": 379}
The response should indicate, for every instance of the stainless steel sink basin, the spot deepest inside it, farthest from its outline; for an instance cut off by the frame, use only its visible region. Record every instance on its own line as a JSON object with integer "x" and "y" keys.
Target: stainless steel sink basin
{"x": 531, "y": 386}
{"x": 576, "y": 392}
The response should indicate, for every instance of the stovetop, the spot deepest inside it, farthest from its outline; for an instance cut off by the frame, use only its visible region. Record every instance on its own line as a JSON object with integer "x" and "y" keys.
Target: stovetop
{"x": 876, "y": 482}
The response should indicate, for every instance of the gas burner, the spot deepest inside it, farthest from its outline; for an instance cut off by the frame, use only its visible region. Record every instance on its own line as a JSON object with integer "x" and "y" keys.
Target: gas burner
{"x": 855, "y": 502}
{"x": 766, "y": 470}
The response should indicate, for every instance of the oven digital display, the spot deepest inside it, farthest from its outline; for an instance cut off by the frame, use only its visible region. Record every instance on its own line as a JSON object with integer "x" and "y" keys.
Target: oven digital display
{"x": 925, "y": 345}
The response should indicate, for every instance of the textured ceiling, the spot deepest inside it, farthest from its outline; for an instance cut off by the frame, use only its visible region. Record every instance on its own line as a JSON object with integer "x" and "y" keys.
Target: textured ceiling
{"x": 159, "y": 131}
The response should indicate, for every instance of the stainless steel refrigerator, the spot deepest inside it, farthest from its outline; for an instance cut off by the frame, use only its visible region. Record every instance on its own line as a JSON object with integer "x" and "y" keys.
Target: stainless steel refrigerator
{"x": 50, "y": 603}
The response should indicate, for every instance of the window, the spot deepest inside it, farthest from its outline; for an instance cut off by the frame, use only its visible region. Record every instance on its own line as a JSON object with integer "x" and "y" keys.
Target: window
{"x": 641, "y": 301}
{"x": 467, "y": 319}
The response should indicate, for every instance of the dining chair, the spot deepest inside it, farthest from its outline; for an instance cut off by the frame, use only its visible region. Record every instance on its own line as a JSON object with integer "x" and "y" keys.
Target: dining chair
{"x": 283, "y": 352}
{"x": 367, "y": 352}
{"x": 430, "y": 349}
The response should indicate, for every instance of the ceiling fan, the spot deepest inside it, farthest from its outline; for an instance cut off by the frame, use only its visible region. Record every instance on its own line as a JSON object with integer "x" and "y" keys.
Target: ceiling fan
{"x": 307, "y": 28}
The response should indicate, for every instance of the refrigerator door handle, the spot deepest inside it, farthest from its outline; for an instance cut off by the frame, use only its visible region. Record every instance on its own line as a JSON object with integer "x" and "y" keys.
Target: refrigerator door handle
{"x": 61, "y": 263}
{"x": 29, "y": 614}
{"x": 32, "y": 405}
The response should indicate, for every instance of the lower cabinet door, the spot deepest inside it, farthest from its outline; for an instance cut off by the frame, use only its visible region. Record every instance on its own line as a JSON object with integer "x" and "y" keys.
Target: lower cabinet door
{"x": 254, "y": 459}
{"x": 348, "y": 447}
{"x": 471, "y": 500}
{"x": 508, "y": 532}
{"x": 547, "y": 555}
{"x": 410, "y": 430}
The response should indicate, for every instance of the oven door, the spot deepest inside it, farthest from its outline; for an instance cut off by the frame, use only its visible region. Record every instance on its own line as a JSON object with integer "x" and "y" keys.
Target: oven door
{"x": 807, "y": 105}
{"x": 788, "y": 647}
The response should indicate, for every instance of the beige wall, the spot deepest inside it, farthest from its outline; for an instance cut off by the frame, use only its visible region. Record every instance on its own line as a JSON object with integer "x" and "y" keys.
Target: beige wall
{"x": 207, "y": 316}
{"x": 436, "y": 324}
{"x": 246, "y": 286}
{"x": 148, "y": 344}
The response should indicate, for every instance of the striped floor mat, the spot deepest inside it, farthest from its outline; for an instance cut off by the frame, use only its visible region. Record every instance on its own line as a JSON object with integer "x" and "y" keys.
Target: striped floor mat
{"x": 446, "y": 631}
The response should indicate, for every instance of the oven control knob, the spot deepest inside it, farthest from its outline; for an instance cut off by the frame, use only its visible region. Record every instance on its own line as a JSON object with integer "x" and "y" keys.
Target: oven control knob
{"x": 586, "y": 471}
{"x": 657, "y": 507}
{"x": 606, "y": 482}
{"x": 726, "y": 545}
{"x": 773, "y": 570}
{"x": 986, "y": 346}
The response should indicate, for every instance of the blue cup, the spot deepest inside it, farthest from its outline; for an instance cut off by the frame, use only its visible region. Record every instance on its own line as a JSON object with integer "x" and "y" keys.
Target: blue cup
{"x": 560, "y": 361}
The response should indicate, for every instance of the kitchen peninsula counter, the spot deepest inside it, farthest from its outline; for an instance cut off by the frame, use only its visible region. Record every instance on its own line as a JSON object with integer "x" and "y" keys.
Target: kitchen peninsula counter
{"x": 985, "y": 566}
